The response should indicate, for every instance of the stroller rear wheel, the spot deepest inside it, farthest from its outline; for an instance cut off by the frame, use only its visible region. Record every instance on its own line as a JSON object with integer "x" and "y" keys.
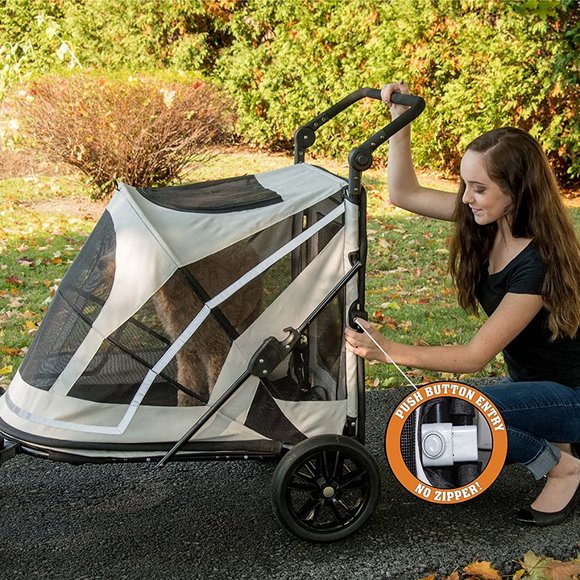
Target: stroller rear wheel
{"x": 325, "y": 488}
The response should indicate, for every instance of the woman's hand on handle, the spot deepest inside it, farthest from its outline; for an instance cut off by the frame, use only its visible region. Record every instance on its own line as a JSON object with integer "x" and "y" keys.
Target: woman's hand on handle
{"x": 387, "y": 92}
{"x": 405, "y": 190}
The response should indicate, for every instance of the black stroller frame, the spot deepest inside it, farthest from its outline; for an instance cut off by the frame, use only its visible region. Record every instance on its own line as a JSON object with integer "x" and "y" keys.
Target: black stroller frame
{"x": 326, "y": 486}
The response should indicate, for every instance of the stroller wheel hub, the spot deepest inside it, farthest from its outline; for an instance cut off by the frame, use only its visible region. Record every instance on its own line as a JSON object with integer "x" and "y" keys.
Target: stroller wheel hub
{"x": 328, "y": 492}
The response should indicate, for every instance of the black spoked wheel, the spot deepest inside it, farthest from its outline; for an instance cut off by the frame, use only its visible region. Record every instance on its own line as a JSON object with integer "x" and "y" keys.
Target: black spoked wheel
{"x": 325, "y": 488}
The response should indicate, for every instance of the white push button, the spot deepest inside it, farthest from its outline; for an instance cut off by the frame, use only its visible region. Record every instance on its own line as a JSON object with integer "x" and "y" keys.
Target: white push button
{"x": 433, "y": 445}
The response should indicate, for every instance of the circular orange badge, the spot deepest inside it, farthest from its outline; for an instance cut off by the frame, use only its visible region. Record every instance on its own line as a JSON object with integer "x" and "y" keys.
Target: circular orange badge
{"x": 441, "y": 444}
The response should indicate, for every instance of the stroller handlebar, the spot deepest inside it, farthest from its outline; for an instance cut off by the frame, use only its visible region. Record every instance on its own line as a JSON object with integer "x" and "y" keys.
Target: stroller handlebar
{"x": 360, "y": 158}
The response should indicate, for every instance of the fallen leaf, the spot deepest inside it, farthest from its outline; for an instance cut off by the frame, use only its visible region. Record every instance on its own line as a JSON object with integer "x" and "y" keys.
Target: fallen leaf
{"x": 391, "y": 305}
{"x": 25, "y": 262}
{"x": 14, "y": 280}
{"x": 6, "y": 370}
{"x": 558, "y": 570}
{"x": 30, "y": 327}
{"x": 534, "y": 565}
{"x": 389, "y": 382}
{"x": 405, "y": 326}
{"x": 11, "y": 351}
{"x": 482, "y": 570}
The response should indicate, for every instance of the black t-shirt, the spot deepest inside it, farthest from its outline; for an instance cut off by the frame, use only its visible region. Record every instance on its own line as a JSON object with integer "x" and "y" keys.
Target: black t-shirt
{"x": 531, "y": 356}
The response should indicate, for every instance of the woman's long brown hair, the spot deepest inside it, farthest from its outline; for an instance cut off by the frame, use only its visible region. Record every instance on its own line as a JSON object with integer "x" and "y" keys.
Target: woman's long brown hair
{"x": 517, "y": 164}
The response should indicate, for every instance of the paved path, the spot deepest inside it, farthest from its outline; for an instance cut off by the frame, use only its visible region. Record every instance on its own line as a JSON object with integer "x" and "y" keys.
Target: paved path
{"x": 213, "y": 520}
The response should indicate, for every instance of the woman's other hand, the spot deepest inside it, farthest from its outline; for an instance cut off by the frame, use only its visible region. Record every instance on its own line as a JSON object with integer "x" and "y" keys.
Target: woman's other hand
{"x": 362, "y": 345}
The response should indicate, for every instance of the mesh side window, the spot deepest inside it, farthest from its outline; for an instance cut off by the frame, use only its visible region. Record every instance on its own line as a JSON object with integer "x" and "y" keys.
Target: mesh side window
{"x": 79, "y": 300}
{"x": 127, "y": 355}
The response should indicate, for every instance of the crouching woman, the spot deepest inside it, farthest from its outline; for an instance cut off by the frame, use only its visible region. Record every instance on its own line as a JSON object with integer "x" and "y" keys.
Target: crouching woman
{"x": 516, "y": 254}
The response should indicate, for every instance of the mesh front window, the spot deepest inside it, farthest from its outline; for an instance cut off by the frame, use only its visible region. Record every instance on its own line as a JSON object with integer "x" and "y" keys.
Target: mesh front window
{"x": 78, "y": 302}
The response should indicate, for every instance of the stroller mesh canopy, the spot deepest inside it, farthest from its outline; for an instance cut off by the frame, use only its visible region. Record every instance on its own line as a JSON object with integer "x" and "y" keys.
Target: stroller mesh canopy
{"x": 128, "y": 354}
{"x": 220, "y": 196}
{"x": 172, "y": 294}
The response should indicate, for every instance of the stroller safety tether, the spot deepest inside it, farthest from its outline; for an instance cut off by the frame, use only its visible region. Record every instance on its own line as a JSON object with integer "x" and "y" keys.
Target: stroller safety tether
{"x": 206, "y": 321}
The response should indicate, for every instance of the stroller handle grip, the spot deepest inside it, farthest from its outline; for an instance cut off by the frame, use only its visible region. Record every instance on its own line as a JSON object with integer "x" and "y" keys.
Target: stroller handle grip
{"x": 397, "y": 98}
{"x": 305, "y": 136}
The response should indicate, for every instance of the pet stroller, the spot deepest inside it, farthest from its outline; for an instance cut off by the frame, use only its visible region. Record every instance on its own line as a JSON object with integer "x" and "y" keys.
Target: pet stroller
{"x": 206, "y": 321}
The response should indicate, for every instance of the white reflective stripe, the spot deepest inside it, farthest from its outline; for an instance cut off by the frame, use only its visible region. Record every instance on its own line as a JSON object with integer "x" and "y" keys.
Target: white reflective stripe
{"x": 275, "y": 257}
{"x": 24, "y": 414}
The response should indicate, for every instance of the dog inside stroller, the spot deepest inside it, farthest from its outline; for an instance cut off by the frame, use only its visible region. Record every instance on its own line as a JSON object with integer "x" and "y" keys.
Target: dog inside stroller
{"x": 206, "y": 321}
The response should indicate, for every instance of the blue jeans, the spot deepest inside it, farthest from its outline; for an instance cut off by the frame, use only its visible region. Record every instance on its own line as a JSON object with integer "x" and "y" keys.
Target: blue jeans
{"x": 537, "y": 414}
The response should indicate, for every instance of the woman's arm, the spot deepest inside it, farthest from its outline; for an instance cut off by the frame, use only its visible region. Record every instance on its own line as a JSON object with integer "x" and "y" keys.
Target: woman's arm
{"x": 404, "y": 189}
{"x": 513, "y": 314}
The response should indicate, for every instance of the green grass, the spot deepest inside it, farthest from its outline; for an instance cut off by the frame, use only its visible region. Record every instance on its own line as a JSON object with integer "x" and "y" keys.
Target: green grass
{"x": 36, "y": 248}
{"x": 409, "y": 294}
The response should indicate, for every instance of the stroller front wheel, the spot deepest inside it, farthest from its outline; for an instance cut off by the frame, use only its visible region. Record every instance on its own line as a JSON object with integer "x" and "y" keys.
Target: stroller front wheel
{"x": 325, "y": 488}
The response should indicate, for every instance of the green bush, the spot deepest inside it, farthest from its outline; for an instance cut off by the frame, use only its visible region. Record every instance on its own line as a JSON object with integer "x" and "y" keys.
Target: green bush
{"x": 144, "y": 131}
{"x": 112, "y": 35}
{"x": 478, "y": 65}
{"x": 30, "y": 40}
{"x": 138, "y": 34}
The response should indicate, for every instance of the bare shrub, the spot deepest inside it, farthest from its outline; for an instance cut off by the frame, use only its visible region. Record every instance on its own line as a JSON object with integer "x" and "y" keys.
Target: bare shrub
{"x": 143, "y": 131}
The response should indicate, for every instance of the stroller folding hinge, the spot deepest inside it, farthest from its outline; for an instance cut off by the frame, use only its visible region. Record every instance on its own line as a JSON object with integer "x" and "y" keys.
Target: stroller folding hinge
{"x": 272, "y": 352}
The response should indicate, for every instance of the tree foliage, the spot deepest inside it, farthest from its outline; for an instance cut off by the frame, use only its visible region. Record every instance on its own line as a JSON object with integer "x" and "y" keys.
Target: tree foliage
{"x": 478, "y": 63}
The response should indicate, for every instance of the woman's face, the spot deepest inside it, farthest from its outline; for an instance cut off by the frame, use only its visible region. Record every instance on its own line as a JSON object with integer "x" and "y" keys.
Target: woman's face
{"x": 486, "y": 200}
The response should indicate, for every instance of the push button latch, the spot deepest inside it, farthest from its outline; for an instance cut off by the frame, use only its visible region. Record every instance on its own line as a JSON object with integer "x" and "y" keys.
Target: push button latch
{"x": 444, "y": 444}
